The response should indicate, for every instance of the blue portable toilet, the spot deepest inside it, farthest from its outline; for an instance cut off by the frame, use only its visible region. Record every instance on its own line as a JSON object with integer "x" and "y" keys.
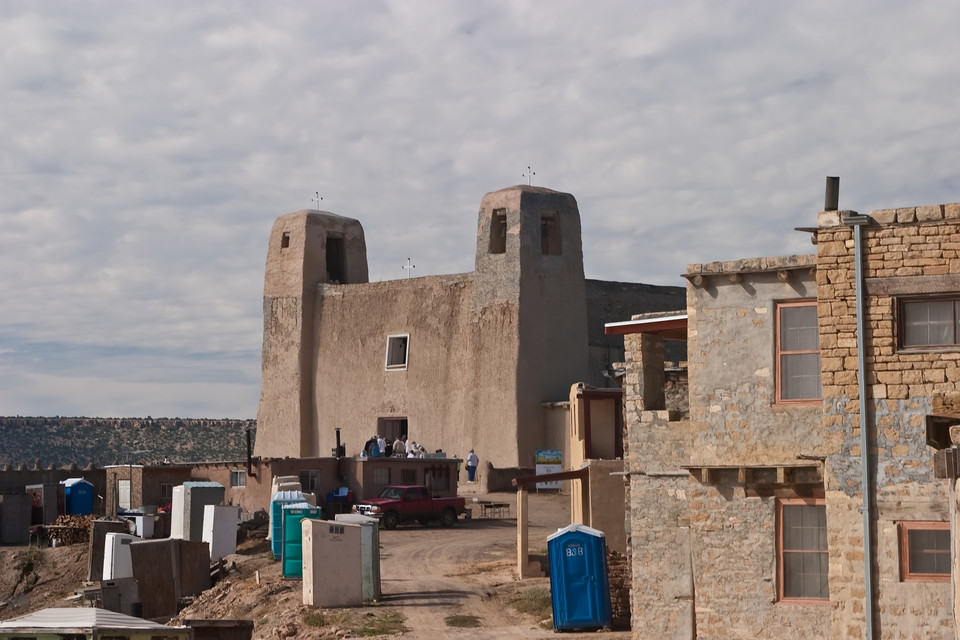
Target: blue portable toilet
{"x": 279, "y": 499}
{"x": 291, "y": 560}
{"x": 77, "y": 497}
{"x": 579, "y": 585}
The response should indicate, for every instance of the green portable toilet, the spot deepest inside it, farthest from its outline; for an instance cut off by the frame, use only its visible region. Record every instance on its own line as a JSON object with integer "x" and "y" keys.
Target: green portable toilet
{"x": 292, "y": 554}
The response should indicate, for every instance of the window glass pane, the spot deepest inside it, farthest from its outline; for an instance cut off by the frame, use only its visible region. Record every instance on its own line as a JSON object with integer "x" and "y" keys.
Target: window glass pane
{"x": 804, "y": 551}
{"x": 929, "y": 550}
{"x": 798, "y": 328}
{"x": 800, "y": 376}
{"x": 928, "y": 323}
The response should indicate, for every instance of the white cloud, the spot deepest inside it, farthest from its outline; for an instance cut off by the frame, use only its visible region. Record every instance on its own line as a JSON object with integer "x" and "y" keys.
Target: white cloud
{"x": 148, "y": 148}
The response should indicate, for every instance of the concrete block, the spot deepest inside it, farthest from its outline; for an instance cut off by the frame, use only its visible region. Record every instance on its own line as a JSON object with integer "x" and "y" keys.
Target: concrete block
{"x": 332, "y": 565}
{"x": 15, "y": 518}
{"x": 98, "y": 535}
{"x": 884, "y": 216}
{"x": 930, "y": 213}
{"x": 220, "y": 530}
{"x": 189, "y": 500}
{"x": 155, "y": 567}
{"x": 370, "y": 552}
{"x": 116, "y": 556}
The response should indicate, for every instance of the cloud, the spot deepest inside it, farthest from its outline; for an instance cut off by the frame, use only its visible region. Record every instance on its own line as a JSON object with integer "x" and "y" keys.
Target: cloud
{"x": 147, "y": 151}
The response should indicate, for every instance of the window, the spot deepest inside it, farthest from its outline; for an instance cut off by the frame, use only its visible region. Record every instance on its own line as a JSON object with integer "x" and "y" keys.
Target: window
{"x": 924, "y": 551}
{"x": 381, "y": 475}
{"x": 397, "y": 349}
{"x": 308, "y": 481}
{"x": 498, "y": 231}
{"x": 166, "y": 492}
{"x": 930, "y": 322}
{"x": 802, "y": 549}
{"x": 238, "y": 478}
{"x": 798, "y": 352}
{"x": 549, "y": 235}
{"x": 285, "y": 240}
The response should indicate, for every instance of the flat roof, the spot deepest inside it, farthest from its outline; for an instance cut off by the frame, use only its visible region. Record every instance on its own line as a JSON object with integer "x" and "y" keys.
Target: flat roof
{"x": 673, "y": 327}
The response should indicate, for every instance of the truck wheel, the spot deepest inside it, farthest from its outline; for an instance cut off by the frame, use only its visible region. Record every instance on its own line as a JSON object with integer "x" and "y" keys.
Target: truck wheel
{"x": 448, "y": 518}
{"x": 390, "y": 520}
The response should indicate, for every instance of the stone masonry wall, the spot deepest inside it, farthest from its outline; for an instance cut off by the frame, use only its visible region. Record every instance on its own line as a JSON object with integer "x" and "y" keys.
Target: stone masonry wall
{"x": 732, "y": 369}
{"x": 906, "y": 251}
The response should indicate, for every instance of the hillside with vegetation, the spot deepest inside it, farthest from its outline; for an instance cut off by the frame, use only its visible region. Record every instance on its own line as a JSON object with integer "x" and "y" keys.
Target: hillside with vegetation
{"x": 82, "y": 441}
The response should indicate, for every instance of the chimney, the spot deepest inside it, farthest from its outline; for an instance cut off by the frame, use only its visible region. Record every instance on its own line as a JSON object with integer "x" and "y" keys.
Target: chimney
{"x": 831, "y": 199}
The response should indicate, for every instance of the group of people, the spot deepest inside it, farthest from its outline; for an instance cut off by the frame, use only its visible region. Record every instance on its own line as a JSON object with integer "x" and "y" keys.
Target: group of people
{"x": 377, "y": 447}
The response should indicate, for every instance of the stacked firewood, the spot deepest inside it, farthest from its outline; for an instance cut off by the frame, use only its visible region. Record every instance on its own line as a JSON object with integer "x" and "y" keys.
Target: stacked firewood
{"x": 67, "y": 530}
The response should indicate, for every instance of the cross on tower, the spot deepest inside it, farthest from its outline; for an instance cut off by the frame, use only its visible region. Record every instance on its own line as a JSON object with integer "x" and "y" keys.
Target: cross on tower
{"x": 316, "y": 199}
{"x": 529, "y": 175}
{"x": 409, "y": 267}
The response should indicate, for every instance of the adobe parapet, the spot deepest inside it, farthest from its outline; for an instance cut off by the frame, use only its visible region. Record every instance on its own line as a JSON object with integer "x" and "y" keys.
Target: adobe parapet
{"x": 899, "y": 216}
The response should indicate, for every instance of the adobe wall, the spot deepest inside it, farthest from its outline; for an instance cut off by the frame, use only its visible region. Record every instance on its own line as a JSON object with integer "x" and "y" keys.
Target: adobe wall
{"x": 613, "y": 301}
{"x": 907, "y": 251}
{"x": 457, "y": 391}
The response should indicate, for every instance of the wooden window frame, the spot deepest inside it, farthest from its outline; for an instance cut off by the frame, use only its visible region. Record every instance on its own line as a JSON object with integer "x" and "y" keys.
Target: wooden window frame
{"x": 779, "y": 353}
{"x": 791, "y": 502}
{"x": 901, "y": 311}
{"x": 903, "y": 534}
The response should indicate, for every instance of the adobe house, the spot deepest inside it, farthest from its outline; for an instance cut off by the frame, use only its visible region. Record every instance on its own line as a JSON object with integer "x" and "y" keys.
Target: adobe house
{"x": 471, "y": 360}
{"x": 801, "y": 493}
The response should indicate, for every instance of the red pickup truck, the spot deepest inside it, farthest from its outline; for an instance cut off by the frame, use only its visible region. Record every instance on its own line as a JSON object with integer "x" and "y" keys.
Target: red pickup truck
{"x": 397, "y": 504}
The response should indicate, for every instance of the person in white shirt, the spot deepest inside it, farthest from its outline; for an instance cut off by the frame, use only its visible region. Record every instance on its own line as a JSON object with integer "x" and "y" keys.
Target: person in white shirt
{"x": 472, "y": 462}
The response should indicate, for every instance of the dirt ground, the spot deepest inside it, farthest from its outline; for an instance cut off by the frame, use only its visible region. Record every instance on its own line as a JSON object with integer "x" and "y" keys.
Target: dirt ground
{"x": 431, "y": 578}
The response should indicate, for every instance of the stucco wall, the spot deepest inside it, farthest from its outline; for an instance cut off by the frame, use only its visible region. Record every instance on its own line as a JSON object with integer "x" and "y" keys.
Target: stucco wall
{"x": 440, "y": 393}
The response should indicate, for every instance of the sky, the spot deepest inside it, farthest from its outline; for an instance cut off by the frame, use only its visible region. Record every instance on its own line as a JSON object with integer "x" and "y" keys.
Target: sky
{"x": 147, "y": 147}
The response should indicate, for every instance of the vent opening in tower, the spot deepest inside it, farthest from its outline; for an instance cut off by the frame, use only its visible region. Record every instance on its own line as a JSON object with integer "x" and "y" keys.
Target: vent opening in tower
{"x": 498, "y": 231}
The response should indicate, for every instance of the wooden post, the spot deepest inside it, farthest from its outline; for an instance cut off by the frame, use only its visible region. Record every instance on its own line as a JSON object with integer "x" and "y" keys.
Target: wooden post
{"x": 523, "y": 535}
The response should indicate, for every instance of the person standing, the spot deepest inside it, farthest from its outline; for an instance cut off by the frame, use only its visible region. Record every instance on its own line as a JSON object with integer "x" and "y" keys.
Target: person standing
{"x": 472, "y": 462}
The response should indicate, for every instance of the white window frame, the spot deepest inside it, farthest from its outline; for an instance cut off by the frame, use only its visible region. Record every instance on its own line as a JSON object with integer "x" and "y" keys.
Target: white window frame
{"x": 238, "y": 478}
{"x": 392, "y": 350}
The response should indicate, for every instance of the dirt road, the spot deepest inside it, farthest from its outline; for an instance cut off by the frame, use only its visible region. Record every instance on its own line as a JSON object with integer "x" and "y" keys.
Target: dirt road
{"x": 432, "y": 573}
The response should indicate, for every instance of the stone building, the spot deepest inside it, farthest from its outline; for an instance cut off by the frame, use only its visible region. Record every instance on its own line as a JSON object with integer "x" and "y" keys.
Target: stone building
{"x": 748, "y": 518}
{"x": 452, "y": 362}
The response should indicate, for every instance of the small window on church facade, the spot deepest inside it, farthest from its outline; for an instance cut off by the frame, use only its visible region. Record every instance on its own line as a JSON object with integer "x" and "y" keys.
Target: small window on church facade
{"x": 550, "y": 235}
{"x": 285, "y": 240}
{"x": 397, "y": 350}
{"x": 498, "y": 231}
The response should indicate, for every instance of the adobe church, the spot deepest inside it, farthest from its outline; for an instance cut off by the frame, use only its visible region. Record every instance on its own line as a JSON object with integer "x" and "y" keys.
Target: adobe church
{"x": 454, "y": 362}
